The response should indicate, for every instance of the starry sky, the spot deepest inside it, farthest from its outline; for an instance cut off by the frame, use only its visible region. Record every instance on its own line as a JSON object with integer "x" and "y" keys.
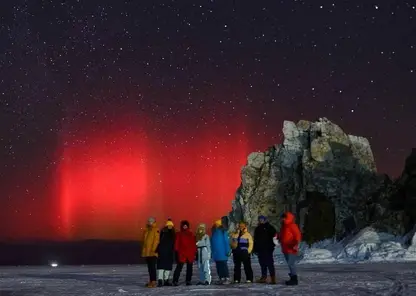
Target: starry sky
{"x": 113, "y": 111}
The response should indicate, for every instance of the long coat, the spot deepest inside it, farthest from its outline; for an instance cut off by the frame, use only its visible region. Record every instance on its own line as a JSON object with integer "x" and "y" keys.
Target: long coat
{"x": 220, "y": 244}
{"x": 185, "y": 246}
{"x": 204, "y": 249}
{"x": 166, "y": 249}
{"x": 150, "y": 241}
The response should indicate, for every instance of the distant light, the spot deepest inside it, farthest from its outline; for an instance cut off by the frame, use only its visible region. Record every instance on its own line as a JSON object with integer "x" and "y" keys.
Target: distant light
{"x": 54, "y": 264}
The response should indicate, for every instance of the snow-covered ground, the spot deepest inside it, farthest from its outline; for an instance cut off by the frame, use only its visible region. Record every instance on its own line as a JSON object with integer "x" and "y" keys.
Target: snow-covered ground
{"x": 324, "y": 269}
{"x": 323, "y": 279}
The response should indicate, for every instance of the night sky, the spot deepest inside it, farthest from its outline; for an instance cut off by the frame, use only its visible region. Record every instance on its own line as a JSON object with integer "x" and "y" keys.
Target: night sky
{"x": 113, "y": 111}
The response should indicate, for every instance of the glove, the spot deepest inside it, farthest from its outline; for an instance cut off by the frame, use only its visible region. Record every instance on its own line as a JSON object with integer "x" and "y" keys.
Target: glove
{"x": 229, "y": 253}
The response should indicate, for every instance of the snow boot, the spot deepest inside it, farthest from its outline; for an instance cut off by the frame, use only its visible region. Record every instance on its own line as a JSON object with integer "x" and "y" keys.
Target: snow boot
{"x": 262, "y": 280}
{"x": 188, "y": 283}
{"x": 175, "y": 284}
{"x": 160, "y": 283}
{"x": 293, "y": 280}
{"x": 167, "y": 283}
{"x": 206, "y": 283}
{"x": 152, "y": 284}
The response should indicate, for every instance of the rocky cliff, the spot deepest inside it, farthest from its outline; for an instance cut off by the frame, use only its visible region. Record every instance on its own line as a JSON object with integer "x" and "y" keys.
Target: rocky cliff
{"x": 325, "y": 176}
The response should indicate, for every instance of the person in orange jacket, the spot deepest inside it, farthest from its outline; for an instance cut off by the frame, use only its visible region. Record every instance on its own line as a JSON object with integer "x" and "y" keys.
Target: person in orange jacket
{"x": 290, "y": 237}
{"x": 149, "y": 250}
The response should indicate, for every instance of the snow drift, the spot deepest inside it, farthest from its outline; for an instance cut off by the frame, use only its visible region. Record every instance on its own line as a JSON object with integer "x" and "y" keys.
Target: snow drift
{"x": 368, "y": 245}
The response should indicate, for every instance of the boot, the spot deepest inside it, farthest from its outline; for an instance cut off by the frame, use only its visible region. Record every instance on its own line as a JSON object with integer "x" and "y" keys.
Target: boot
{"x": 167, "y": 283}
{"x": 293, "y": 280}
{"x": 188, "y": 283}
{"x": 160, "y": 283}
{"x": 175, "y": 283}
{"x": 273, "y": 280}
{"x": 262, "y": 280}
{"x": 152, "y": 284}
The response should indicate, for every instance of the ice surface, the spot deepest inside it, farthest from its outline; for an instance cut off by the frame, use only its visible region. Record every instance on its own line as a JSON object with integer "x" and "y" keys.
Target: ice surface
{"x": 325, "y": 268}
{"x": 323, "y": 279}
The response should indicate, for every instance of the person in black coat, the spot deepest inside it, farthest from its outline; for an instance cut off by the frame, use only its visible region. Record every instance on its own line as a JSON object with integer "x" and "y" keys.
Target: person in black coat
{"x": 264, "y": 248}
{"x": 166, "y": 251}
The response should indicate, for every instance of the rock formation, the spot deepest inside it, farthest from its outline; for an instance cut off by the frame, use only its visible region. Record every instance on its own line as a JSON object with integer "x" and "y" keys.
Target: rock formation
{"x": 327, "y": 177}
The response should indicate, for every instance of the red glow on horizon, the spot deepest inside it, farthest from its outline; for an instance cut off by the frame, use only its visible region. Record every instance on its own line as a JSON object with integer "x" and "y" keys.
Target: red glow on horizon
{"x": 111, "y": 183}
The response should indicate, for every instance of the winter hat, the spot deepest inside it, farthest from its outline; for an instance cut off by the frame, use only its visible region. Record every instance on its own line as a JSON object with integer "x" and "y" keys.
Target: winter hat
{"x": 184, "y": 222}
{"x": 151, "y": 220}
{"x": 169, "y": 223}
{"x": 218, "y": 223}
{"x": 261, "y": 217}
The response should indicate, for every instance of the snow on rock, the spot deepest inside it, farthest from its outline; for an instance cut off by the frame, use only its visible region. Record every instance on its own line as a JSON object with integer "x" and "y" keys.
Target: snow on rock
{"x": 366, "y": 246}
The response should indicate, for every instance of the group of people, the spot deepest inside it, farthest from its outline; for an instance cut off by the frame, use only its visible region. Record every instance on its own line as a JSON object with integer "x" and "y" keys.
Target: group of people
{"x": 162, "y": 248}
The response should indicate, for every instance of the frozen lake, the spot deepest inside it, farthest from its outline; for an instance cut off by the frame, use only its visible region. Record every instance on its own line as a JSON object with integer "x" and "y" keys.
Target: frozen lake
{"x": 321, "y": 279}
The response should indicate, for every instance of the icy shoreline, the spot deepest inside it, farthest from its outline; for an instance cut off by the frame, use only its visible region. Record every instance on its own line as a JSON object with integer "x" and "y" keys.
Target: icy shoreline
{"x": 368, "y": 246}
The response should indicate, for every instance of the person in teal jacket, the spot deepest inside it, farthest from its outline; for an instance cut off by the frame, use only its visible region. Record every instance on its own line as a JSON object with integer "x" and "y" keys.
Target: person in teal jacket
{"x": 221, "y": 251}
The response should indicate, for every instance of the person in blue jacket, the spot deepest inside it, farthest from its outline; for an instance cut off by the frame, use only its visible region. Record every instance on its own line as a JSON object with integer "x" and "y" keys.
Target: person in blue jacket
{"x": 221, "y": 250}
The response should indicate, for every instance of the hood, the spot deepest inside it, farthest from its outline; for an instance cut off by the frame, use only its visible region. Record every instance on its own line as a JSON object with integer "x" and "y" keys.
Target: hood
{"x": 288, "y": 218}
{"x": 183, "y": 223}
{"x": 154, "y": 225}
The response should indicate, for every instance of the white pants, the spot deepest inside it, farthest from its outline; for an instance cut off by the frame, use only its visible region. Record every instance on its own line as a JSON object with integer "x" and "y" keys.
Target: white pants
{"x": 204, "y": 272}
{"x": 163, "y": 274}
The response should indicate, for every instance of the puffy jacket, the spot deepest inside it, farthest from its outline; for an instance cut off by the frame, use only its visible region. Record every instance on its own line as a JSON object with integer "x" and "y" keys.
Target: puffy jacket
{"x": 150, "y": 241}
{"x": 263, "y": 238}
{"x": 185, "y": 246}
{"x": 241, "y": 240}
{"x": 289, "y": 235}
{"x": 220, "y": 244}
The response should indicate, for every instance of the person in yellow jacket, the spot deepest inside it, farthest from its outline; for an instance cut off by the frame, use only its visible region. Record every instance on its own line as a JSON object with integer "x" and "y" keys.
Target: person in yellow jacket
{"x": 149, "y": 250}
{"x": 242, "y": 246}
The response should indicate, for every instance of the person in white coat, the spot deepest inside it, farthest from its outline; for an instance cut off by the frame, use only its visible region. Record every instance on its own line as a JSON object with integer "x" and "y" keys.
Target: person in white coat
{"x": 203, "y": 244}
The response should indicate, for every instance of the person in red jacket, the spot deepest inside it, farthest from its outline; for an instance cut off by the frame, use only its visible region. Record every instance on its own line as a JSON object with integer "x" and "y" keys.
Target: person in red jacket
{"x": 290, "y": 237}
{"x": 185, "y": 248}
